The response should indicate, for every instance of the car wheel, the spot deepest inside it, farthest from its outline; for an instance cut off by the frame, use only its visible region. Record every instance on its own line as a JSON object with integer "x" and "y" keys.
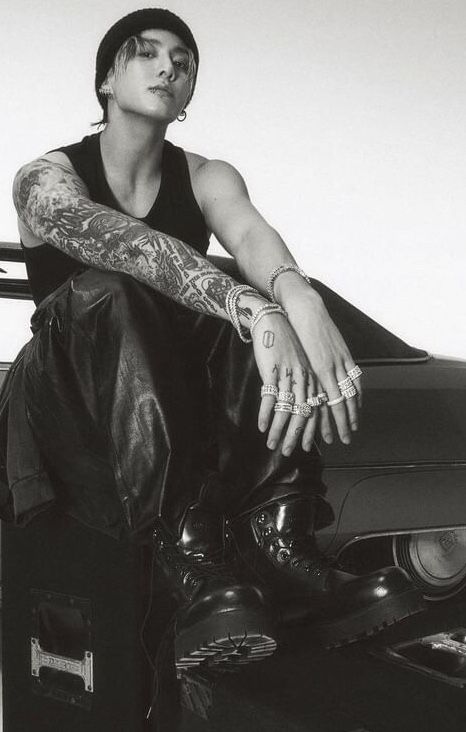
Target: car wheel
{"x": 436, "y": 561}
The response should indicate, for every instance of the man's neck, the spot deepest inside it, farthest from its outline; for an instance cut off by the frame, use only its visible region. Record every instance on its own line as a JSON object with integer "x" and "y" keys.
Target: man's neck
{"x": 133, "y": 148}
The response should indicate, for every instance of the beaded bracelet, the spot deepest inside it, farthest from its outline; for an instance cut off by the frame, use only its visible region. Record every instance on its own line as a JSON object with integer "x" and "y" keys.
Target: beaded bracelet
{"x": 266, "y": 310}
{"x": 280, "y": 270}
{"x": 231, "y": 306}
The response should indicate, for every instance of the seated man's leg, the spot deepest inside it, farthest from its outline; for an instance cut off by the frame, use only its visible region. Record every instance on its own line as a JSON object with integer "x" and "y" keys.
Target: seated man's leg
{"x": 108, "y": 404}
{"x": 272, "y": 499}
{"x": 109, "y": 398}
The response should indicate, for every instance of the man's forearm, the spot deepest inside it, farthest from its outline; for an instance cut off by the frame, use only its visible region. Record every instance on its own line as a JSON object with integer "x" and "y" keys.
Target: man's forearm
{"x": 262, "y": 251}
{"x": 53, "y": 203}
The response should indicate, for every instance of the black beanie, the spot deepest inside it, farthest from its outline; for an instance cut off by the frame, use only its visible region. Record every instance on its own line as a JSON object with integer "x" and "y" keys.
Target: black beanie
{"x": 131, "y": 25}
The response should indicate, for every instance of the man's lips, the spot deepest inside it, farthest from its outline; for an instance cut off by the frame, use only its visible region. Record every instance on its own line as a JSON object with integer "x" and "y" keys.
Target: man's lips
{"x": 163, "y": 89}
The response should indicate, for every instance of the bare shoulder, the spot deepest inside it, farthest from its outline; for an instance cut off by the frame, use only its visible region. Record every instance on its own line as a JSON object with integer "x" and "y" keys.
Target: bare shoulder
{"x": 58, "y": 157}
{"x": 51, "y": 171}
{"x": 212, "y": 176}
{"x": 49, "y": 177}
{"x": 195, "y": 162}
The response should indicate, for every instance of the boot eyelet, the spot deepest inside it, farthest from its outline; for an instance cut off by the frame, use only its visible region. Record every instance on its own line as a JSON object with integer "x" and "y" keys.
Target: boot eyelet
{"x": 262, "y": 518}
{"x": 283, "y": 555}
{"x": 268, "y": 531}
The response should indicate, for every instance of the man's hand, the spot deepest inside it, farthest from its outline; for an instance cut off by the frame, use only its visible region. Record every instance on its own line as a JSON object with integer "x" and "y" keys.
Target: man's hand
{"x": 329, "y": 358}
{"x": 283, "y": 363}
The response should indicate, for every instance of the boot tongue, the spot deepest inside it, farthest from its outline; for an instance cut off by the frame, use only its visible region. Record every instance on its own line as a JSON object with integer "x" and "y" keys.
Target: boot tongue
{"x": 293, "y": 518}
{"x": 202, "y": 533}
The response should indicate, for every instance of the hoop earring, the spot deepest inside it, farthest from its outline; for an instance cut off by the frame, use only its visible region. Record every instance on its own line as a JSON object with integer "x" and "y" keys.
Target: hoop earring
{"x": 182, "y": 116}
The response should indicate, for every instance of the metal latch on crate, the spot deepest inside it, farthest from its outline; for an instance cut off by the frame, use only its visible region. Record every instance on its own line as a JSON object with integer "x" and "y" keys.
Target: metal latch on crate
{"x": 43, "y": 659}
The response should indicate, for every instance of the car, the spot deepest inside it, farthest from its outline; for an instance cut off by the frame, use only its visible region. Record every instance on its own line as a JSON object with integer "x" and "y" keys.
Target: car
{"x": 397, "y": 494}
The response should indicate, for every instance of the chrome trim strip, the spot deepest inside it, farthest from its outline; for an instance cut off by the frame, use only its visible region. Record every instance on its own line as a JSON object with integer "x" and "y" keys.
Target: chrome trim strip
{"x": 381, "y": 534}
{"x": 396, "y": 466}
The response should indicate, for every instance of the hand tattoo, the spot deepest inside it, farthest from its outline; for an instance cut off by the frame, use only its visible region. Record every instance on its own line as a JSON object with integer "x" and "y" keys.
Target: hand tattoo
{"x": 268, "y": 339}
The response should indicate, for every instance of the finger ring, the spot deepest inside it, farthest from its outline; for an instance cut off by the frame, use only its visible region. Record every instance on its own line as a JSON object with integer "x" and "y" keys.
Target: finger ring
{"x": 345, "y": 384}
{"x": 322, "y": 396}
{"x": 314, "y": 401}
{"x": 286, "y": 396}
{"x": 349, "y": 393}
{"x": 283, "y": 407}
{"x": 338, "y": 400}
{"x": 269, "y": 390}
{"x": 302, "y": 410}
{"x": 355, "y": 373}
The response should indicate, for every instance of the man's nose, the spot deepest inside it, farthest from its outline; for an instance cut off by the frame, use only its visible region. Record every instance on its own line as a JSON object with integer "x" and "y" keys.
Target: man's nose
{"x": 165, "y": 66}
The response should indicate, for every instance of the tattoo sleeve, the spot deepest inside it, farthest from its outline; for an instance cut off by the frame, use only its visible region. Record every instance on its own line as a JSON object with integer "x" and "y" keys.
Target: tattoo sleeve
{"x": 53, "y": 202}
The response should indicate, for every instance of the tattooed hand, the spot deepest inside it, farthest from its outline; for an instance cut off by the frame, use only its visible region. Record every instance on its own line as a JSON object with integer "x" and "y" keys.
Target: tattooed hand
{"x": 282, "y": 361}
{"x": 329, "y": 358}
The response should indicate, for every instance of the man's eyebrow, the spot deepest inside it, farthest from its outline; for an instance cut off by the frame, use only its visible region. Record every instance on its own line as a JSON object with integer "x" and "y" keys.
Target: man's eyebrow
{"x": 156, "y": 42}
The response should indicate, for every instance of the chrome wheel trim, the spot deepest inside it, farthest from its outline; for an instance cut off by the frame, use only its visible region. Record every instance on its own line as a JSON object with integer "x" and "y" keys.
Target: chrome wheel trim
{"x": 436, "y": 560}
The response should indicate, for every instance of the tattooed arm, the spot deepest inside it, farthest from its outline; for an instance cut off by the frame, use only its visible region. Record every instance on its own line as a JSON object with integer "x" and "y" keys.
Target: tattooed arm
{"x": 53, "y": 203}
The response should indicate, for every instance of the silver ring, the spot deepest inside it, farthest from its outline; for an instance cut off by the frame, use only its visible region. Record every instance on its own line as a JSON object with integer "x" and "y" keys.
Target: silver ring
{"x": 269, "y": 390}
{"x": 283, "y": 407}
{"x": 345, "y": 384}
{"x": 354, "y": 373}
{"x": 286, "y": 396}
{"x": 349, "y": 393}
{"x": 338, "y": 400}
{"x": 313, "y": 401}
{"x": 322, "y": 396}
{"x": 302, "y": 410}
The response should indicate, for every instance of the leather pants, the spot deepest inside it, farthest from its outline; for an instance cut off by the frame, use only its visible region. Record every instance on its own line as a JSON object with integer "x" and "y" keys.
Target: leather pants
{"x": 141, "y": 407}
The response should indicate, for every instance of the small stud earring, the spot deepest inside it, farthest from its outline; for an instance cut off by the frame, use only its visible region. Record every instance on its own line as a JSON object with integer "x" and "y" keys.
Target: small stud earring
{"x": 182, "y": 116}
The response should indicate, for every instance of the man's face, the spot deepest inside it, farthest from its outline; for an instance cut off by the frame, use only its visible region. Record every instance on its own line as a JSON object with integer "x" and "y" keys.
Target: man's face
{"x": 156, "y": 82}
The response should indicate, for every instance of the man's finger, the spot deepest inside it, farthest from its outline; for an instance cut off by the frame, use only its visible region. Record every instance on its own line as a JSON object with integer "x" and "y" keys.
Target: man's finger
{"x": 349, "y": 391}
{"x": 267, "y": 404}
{"x": 282, "y": 416}
{"x": 337, "y": 405}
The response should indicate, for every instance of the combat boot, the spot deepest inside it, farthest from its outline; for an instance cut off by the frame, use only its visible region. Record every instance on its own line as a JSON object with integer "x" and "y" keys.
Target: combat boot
{"x": 278, "y": 548}
{"x": 221, "y": 621}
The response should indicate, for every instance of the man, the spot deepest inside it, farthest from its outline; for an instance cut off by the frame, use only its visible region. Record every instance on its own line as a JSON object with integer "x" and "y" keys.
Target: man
{"x": 145, "y": 406}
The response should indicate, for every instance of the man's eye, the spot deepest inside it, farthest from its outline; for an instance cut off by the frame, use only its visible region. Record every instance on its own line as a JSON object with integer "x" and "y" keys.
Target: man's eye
{"x": 181, "y": 65}
{"x": 146, "y": 54}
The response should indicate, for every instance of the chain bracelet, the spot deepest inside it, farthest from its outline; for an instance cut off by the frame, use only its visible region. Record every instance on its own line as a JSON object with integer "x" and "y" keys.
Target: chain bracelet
{"x": 266, "y": 310}
{"x": 280, "y": 270}
{"x": 231, "y": 305}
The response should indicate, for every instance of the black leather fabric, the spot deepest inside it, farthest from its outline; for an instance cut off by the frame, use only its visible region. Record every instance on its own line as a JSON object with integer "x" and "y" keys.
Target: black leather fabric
{"x": 140, "y": 407}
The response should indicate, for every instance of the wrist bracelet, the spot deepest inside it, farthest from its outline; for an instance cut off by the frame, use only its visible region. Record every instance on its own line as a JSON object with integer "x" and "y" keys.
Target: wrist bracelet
{"x": 280, "y": 270}
{"x": 231, "y": 306}
{"x": 266, "y": 310}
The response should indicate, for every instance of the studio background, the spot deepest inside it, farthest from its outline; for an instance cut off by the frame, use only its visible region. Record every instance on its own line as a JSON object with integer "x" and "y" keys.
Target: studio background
{"x": 347, "y": 119}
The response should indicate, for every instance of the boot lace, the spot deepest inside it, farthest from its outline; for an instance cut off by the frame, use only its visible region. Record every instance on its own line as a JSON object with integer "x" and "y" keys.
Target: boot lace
{"x": 195, "y": 567}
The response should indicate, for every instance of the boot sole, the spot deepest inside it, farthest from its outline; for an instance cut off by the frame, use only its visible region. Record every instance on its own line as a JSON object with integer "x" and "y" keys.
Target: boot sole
{"x": 224, "y": 642}
{"x": 371, "y": 620}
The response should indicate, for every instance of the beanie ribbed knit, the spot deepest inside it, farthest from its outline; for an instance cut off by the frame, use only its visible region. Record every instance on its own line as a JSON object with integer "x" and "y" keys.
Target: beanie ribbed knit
{"x": 131, "y": 25}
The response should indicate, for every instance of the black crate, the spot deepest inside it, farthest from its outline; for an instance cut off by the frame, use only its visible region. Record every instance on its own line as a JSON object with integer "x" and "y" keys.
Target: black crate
{"x": 74, "y": 601}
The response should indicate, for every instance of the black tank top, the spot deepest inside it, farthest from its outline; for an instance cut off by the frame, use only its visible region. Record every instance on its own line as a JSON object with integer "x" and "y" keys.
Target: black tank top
{"x": 175, "y": 212}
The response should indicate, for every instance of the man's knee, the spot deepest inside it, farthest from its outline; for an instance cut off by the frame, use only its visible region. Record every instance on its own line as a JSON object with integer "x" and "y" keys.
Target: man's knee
{"x": 94, "y": 284}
